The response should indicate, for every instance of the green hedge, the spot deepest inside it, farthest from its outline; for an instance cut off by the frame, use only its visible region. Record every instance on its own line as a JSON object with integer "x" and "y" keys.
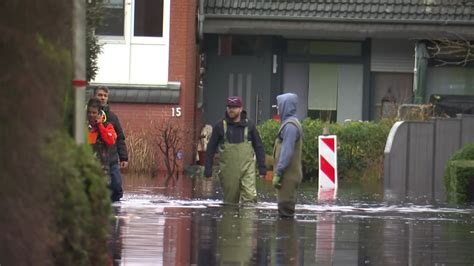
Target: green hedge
{"x": 82, "y": 213}
{"x": 360, "y": 145}
{"x": 268, "y": 133}
{"x": 54, "y": 200}
{"x": 459, "y": 169}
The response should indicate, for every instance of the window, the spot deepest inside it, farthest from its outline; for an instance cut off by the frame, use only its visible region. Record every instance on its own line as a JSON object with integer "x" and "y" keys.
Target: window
{"x": 239, "y": 45}
{"x": 322, "y": 93}
{"x": 400, "y": 86}
{"x": 324, "y": 48}
{"x": 452, "y": 80}
{"x": 335, "y": 91}
{"x": 148, "y": 18}
{"x": 225, "y": 45}
{"x": 336, "y": 48}
{"x": 298, "y": 47}
{"x": 113, "y": 19}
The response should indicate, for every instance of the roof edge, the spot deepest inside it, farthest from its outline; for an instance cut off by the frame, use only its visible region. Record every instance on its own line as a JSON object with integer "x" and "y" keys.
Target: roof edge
{"x": 139, "y": 93}
{"x": 348, "y": 20}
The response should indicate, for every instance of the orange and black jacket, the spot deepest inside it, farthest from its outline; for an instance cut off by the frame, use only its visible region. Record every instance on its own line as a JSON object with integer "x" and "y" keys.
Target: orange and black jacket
{"x": 102, "y": 137}
{"x": 118, "y": 151}
{"x": 102, "y": 132}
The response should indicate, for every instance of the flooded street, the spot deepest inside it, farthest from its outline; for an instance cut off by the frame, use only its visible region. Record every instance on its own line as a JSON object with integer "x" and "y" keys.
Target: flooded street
{"x": 187, "y": 224}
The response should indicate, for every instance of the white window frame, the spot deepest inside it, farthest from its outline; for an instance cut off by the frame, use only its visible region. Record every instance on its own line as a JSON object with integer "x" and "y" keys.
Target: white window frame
{"x": 129, "y": 20}
{"x": 151, "y": 40}
{"x": 135, "y": 60}
{"x": 103, "y": 39}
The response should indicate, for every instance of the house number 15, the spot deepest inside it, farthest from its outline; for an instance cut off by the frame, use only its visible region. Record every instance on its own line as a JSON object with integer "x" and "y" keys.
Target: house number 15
{"x": 176, "y": 111}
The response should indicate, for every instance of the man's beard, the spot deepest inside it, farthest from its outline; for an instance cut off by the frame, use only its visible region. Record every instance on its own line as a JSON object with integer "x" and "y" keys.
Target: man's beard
{"x": 232, "y": 115}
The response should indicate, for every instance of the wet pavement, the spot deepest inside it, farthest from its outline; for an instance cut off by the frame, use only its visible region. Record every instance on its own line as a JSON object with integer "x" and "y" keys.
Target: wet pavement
{"x": 186, "y": 224}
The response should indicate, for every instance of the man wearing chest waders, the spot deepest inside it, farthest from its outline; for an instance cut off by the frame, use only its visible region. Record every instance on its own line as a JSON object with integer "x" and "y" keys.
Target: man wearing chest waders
{"x": 287, "y": 154}
{"x": 237, "y": 141}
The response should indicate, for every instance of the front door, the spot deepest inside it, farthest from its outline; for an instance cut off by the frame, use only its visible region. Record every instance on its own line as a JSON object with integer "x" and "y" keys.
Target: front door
{"x": 244, "y": 76}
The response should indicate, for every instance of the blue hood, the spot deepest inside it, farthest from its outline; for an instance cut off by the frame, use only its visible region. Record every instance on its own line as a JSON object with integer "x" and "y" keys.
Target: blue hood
{"x": 287, "y": 105}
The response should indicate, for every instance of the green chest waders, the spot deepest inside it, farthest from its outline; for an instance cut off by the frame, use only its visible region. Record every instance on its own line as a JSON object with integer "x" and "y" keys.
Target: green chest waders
{"x": 292, "y": 175}
{"x": 237, "y": 170}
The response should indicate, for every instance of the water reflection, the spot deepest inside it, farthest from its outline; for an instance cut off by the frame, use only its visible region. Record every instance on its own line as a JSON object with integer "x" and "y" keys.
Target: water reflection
{"x": 115, "y": 246}
{"x": 325, "y": 229}
{"x": 143, "y": 237}
{"x": 286, "y": 238}
{"x": 155, "y": 227}
{"x": 236, "y": 235}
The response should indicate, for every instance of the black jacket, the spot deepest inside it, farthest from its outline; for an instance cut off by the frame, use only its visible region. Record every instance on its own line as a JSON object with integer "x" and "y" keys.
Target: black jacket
{"x": 118, "y": 152}
{"x": 235, "y": 134}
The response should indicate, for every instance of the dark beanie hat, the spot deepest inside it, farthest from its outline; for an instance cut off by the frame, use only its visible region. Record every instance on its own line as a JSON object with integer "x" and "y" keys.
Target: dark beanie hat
{"x": 234, "y": 101}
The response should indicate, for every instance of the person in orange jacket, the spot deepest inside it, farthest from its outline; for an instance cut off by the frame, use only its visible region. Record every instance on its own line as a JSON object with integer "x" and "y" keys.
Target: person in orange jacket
{"x": 118, "y": 155}
{"x": 102, "y": 134}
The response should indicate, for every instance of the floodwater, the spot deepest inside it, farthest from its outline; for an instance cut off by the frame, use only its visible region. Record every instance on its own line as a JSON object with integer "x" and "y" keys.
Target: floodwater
{"x": 186, "y": 224}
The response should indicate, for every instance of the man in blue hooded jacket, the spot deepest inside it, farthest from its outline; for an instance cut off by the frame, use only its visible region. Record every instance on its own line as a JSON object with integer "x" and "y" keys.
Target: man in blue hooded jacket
{"x": 287, "y": 153}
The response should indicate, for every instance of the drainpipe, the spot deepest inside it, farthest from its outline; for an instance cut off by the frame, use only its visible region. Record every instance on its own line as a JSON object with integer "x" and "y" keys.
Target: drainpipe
{"x": 201, "y": 18}
{"x": 419, "y": 77}
{"x": 79, "y": 82}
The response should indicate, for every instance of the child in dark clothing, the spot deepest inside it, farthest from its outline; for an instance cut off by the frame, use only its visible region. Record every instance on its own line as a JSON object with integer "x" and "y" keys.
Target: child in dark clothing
{"x": 102, "y": 134}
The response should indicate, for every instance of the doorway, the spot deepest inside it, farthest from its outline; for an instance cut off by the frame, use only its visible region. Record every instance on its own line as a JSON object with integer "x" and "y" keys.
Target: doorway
{"x": 238, "y": 66}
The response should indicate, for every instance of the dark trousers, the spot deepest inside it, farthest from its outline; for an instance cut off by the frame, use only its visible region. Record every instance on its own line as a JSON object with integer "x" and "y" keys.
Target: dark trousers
{"x": 115, "y": 182}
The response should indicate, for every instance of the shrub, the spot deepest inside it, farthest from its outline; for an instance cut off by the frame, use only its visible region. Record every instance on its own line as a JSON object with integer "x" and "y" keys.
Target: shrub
{"x": 142, "y": 151}
{"x": 459, "y": 168}
{"x": 268, "y": 133}
{"x": 49, "y": 215}
{"x": 81, "y": 200}
{"x": 170, "y": 142}
{"x": 360, "y": 145}
{"x": 155, "y": 149}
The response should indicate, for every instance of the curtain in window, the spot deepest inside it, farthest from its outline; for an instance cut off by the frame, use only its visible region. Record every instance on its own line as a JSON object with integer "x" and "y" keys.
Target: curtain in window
{"x": 322, "y": 93}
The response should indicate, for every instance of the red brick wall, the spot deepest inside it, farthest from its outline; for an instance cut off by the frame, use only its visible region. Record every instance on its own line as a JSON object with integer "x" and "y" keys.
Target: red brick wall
{"x": 182, "y": 67}
{"x": 151, "y": 117}
{"x": 140, "y": 115}
{"x": 183, "y": 58}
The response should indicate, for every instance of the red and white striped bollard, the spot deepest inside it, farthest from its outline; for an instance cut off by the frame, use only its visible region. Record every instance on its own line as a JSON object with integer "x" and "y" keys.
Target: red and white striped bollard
{"x": 327, "y": 167}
